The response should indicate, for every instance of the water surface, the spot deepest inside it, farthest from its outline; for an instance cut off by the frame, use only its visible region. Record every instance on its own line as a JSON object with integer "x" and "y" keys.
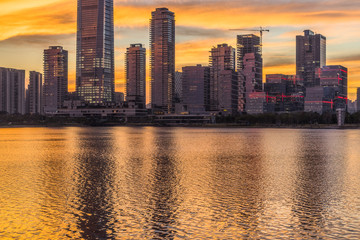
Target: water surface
{"x": 179, "y": 183}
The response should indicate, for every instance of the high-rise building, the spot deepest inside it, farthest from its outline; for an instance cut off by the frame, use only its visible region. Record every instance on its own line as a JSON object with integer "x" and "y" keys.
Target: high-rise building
{"x": 95, "y": 51}
{"x": 135, "y": 68}
{"x": 334, "y": 76}
{"x": 196, "y": 89}
{"x": 178, "y": 87}
{"x": 286, "y": 92}
{"x": 55, "y": 87}
{"x": 358, "y": 100}
{"x": 34, "y": 94}
{"x": 223, "y": 80}
{"x": 319, "y": 99}
{"x": 250, "y": 77}
{"x": 12, "y": 91}
{"x": 310, "y": 55}
{"x": 248, "y": 43}
{"x": 162, "y": 60}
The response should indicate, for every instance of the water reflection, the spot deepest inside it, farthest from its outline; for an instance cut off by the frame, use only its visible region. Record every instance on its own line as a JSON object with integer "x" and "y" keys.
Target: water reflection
{"x": 95, "y": 181}
{"x": 172, "y": 183}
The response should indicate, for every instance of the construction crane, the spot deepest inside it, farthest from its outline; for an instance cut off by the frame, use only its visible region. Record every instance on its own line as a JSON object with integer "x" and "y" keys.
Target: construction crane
{"x": 260, "y": 30}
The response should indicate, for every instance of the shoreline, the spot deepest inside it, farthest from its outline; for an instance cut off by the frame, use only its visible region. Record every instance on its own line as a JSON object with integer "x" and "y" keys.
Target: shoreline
{"x": 219, "y": 125}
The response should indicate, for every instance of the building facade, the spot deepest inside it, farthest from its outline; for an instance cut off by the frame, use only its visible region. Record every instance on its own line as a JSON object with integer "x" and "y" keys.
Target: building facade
{"x": 34, "y": 96}
{"x": 55, "y": 87}
{"x": 178, "y": 87}
{"x": 162, "y": 60}
{"x": 336, "y": 77}
{"x": 251, "y": 78}
{"x": 310, "y": 55}
{"x": 358, "y": 100}
{"x": 319, "y": 99}
{"x": 223, "y": 80}
{"x": 135, "y": 70}
{"x": 248, "y": 46}
{"x": 95, "y": 51}
{"x": 12, "y": 91}
{"x": 196, "y": 89}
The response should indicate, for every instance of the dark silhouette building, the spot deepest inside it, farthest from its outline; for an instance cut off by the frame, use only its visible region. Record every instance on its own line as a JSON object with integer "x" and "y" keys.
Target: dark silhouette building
{"x": 55, "y": 89}
{"x": 95, "y": 51}
{"x": 310, "y": 55}
{"x": 34, "y": 94}
{"x": 135, "y": 68}
{"x": 12, "y": 91}
{"x": 196, "y": 89}
{"x": 162, "y": 60}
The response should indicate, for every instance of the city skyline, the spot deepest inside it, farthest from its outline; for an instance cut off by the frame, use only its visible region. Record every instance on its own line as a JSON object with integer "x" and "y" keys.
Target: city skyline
{"x": 28, "y": 28}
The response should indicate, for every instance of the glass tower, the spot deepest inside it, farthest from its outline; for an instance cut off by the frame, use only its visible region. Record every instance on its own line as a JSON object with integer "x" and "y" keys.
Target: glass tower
{"x": 162, "y": 60}
{"x": 95, "y": 51}
{"x": 310, "y": 55}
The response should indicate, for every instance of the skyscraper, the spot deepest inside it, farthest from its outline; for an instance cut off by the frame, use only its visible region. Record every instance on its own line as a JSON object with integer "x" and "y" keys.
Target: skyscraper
{"x": 12, "y": 91}
{"x": 178, "y": 87}
{"x": 95, "y": 51}
{"x": 196, "y": 91}
{"x": 34, "y": 94}
{"x": 310, "y": 55}
{"x": 55, "y": 78}
{"x": 248, "y": 43}
{"x": 162, "y": 60}
{"x": 358, "y": 100}
{"x": 223, "y": 79}
{"x": 135, "y": 68}
{"x": 250, "y": 76}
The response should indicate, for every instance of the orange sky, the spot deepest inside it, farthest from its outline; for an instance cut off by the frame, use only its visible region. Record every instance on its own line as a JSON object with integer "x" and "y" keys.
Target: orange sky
{"x": 29, "y": 26}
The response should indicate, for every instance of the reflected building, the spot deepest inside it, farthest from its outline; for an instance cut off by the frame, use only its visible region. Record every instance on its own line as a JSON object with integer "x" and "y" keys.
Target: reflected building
{"x": 12, "y": 91}
{"x": 95, "y": 51}
{"x": 55, "y": 78}
{"x": 310, "y": 55}
{"x": 34, "y": 94}
{"x": 162, "y": 60}
{"x": 135, "y": 69}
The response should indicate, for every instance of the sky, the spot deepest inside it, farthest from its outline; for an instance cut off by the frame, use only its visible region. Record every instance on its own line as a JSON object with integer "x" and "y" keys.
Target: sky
{"x": 27, "y": 27}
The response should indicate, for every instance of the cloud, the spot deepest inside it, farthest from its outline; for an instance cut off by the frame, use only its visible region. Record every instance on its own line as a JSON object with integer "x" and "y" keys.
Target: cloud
{"x": 37, "y": 40}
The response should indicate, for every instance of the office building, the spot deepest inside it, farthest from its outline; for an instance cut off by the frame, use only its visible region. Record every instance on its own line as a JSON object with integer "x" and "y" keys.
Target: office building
{"x": 162, "y": 60}
{"x": 310, "y": 55}
{"x": 223, "y": 80}
{"x": 178, "y": 86}
{"x": 12, "y": 91}
{"x": 196, "y": 89}
{"x": 95, "y": 51}
{"x": 135, "y": 70}
{"x": 358, "y": 100}
{"x": 250, "y": 77}
{"x": 335, "y": 77}
{"x": 248, "y": 44}
{"x": 34, "y": 94}
{"x": 319, "y": 99}
{"x": 55, "y": 89}
{"x": 287, "y": 91}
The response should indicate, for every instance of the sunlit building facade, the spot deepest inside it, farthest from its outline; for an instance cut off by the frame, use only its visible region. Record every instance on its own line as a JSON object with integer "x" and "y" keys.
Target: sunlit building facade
{"x": 162, "y": 60}
{"x": 135, "y": 70}
{"x": 310, "y": 55}
{"x": 95, "y": 51}
{"x": 55, "y": 87}
{"x": 12, "y": 91}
